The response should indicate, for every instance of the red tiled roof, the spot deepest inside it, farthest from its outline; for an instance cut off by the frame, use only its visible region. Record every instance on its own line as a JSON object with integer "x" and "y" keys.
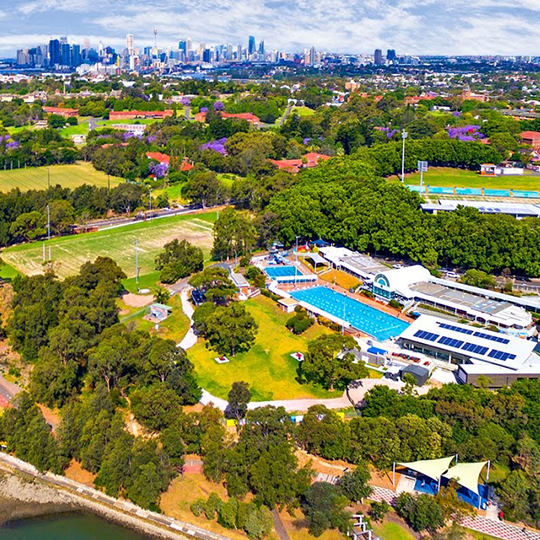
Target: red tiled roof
{"x": 312, "y": 158}
{"x": 158, "y": 156}
{"x": 530, "y": 135}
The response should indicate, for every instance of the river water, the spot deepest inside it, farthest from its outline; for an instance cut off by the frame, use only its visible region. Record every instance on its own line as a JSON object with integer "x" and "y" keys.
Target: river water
{"x": 67, "y": 527}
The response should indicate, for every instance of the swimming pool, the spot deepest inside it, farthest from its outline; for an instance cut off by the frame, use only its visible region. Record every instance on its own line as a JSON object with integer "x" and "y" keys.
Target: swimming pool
{"x": 365, "y": 318}
{"x": 282, "y": 271}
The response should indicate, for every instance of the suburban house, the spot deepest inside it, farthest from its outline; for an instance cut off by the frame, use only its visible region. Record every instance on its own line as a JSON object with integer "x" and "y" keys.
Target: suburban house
{"x": 532, "y": 138}
{"x": 61, "y": 111}
{"x": 132, "y": 115}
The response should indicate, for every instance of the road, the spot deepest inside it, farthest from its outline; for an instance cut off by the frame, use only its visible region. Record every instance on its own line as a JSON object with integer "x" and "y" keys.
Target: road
{"x": 8, "y": 391}
{"x": 81, "y": 493}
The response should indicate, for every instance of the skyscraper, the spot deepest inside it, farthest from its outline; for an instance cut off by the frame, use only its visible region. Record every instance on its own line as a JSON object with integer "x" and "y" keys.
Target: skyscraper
{"x": 251, "y": 45}
{"x": 76, "y": 59}
{"x": 261, "y": 48}
{"x": 129, "y": 44}
{"x": 377, "y": 60}
{"x": 65, "y": 51}
{"x": 391, "y": 54}
{"x": 54, "y": 52}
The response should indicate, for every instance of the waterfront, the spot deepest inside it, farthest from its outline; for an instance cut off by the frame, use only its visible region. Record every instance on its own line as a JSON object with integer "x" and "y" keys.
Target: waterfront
{"x": 70, "y": 526}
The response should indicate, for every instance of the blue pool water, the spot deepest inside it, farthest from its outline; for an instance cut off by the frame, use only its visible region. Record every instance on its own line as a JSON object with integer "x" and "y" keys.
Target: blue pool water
{"x": 365, "y": 318}
{"x": 282, "y": 271}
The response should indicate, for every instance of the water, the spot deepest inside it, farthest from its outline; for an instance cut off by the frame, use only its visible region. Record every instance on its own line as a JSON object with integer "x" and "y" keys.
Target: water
{"x": 365, "y": 318}
{"x": 67, "y": 527}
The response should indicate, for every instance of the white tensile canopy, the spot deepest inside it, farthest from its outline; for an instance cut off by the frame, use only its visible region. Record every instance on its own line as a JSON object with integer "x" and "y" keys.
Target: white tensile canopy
{"x": 466, "y": 474}
{"x": 432, "y": 468}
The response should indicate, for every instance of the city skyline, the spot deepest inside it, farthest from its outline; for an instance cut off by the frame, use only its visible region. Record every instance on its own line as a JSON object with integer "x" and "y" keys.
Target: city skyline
{"x": 487, "y": 27}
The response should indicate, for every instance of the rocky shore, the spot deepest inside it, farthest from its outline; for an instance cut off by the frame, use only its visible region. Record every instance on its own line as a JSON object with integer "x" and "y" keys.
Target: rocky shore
{"x": 22, "y": 498}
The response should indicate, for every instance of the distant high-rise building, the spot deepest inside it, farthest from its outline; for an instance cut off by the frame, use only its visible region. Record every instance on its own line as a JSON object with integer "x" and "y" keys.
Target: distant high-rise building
{"x": 312, "y": 56}
{"x": 377, "y": 57}
{"x": 261, "y": 48}
{"x": 391, "y": 54}
{"x": 189, "y": 45}
{"x": 54, "y": 52}
{"x": 65, "y": 53}
{"x": 182, "y": 46}
{"x": 129, "y": 44}
{"x": 251, "y": 45}
{"x": 76, "y": 58}
{"x": 206, "y": 55}
{"x": 239, "y": 53}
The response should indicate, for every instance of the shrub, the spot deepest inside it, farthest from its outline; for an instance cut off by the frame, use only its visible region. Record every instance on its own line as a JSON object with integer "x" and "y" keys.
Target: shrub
{"x": 212, "y": 505}
{"x": 367, "y": 293}
{"x": 197, "y": 507}
{"x": 395, "y": 304}
{"x": 299, "y": 322}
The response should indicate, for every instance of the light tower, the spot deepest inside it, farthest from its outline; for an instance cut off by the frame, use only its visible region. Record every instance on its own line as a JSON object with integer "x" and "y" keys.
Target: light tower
{"x": 155, "y": 38}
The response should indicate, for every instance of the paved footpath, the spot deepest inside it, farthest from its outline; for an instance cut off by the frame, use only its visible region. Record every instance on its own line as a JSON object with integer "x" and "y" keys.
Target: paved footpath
{"x": 481, "y": 524}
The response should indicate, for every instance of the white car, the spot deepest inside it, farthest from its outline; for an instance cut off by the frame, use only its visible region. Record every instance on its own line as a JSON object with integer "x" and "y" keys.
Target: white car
{"x": 452, "y": 275}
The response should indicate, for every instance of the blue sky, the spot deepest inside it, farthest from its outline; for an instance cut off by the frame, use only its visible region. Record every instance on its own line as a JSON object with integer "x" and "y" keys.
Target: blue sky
{"x": 358, "y": 26}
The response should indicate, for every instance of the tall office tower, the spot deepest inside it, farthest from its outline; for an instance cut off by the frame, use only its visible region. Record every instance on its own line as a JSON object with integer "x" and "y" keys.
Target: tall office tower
{"x": 377, "y": 57}
{"x": 129, "y": 44}
{"x": 391, "y": 54}
{"x": 54, "y": 52}
{"x": 261, "y": 49}
{"x": 182, "y": 46}
{"x": 189, "y": 45}
{"x": 65, "y": 51}
{"x": 229, "y": 52}
{"x": 251, "y": 45}
{"x": 312, "y": 56}
{"x": 239, "y": 53}
{"x": 76, "y": 59}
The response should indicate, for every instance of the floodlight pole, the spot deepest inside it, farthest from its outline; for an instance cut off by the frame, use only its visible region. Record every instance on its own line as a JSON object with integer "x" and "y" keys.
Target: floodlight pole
{"x": 137, "y": 261}
{"x": 394, "y": 473}
{"x": 296, "y": 265}
{"x": 487, "y": 474}
{"x": 150, "y": 205}
{"x": 404, "y": 135}
{"x": 48, "y": 223}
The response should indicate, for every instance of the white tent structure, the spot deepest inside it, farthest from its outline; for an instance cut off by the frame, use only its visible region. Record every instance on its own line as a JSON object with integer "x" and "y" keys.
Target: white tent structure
{"x": 467, "y": 474}
{"x": 432, "y": 468}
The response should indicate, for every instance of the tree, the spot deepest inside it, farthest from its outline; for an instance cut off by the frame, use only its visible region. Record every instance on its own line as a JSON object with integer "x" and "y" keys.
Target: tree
{"x": 324, "y": 508}
{"x": 421, "y": 512}
{"x": 378, "y": 510}
{"x": 477, "y": 278}
{"x": 234, "y": 235}
{"x": 215, "y": 284}
{"x": 327, "y": 363}
{"x": 179, "y": 260}
{"x": 204, "y": 187}
{"x": 238, "y": 399}
{"x": 156, "y": 407}
{"x": 354, "y": 484}
{"x": 231, "y": 329}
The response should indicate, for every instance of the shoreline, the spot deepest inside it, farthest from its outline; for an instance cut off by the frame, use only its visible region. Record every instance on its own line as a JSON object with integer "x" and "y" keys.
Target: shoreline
{"x": 23, "y": 498}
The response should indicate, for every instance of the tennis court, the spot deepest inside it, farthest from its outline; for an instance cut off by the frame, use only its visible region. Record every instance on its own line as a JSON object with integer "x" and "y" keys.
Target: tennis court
{"x": 365, "y": 318}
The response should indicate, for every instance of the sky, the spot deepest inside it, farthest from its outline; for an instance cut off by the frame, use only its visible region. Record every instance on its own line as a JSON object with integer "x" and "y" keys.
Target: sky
{"x": 466, "y": 27}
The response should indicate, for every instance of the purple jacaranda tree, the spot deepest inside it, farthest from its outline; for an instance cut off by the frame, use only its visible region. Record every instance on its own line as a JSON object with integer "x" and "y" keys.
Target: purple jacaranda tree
{"x": 217, "y": 146}
{"x": 218, "y": 106}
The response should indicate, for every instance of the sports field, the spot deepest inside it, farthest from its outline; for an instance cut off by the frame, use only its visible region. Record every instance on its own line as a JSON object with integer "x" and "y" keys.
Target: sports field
{"x": 68, "y": 176}
{"x": 70, "y": 252}
{"x": 449, "y": 177}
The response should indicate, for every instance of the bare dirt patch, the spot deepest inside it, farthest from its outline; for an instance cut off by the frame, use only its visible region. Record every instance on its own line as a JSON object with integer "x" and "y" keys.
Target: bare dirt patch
{"x": 137, "y": 300}
{"x": 77, "y": 473}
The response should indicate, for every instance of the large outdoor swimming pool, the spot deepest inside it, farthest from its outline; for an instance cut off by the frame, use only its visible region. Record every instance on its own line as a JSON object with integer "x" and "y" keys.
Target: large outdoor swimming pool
{"x": 365, "y": 318}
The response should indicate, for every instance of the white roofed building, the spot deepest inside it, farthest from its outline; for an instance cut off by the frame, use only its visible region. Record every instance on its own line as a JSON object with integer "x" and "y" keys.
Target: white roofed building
{"x": 501, "y": 358}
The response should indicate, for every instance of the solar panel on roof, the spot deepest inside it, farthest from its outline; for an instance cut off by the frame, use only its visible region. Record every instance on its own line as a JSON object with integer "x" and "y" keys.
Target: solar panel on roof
{"x": 455, "y": 328}
{"x": 451, "y": 342}
{"x": 492, "y": 338}
{"x": 428, "y": 336}
{"x": 501, "y": 355}
{"x": 472, "y": 347}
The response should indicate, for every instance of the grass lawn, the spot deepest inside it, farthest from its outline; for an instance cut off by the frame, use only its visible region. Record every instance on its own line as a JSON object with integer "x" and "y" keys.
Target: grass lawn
{"x": 479, "y": 536}
{"x": 227, "y": 179}
{"x": 392, "y": 531}
{"x": 174, "y": 192}
{"x": 70, "y": 252}
{"x": 302, "y": 111}
{"x": 175, "y": 327}
{"x": 449, "y": 177}
{"x": 340, "y": 278}
{"x": 498, "y": 472}
{"x": 148, "y": 281}
{"x": 68, "y": 176}
{"x": 267, "y": 366}
{"x": 7, "y": 271}
{"x": 183, "y": 491}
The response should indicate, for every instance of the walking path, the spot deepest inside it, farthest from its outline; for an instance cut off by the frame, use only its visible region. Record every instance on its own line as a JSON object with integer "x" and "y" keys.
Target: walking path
{"x": 122, "y": 510}
{"x": 481, "y": 524}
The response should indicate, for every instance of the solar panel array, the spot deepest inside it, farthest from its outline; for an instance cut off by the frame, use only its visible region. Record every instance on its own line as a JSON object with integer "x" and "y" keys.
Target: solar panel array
{"x": 456, "y": 328}
{"x": 492, "y": 338}
{"x": 465, "y": 345}
{"x": 428, "y": 336}
{"x": 500, "y": 355}
{"x": 451, "y": 342}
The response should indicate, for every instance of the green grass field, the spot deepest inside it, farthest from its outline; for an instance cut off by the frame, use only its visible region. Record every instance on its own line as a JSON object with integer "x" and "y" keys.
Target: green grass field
{"x": 7, "y": 271}
{"x": 70, "y": 252}
{"x": 449, "y": 177}
{"x": 392, "y": 531}
{"x": 267, "y": 366}
{"x": 68, "y": 176}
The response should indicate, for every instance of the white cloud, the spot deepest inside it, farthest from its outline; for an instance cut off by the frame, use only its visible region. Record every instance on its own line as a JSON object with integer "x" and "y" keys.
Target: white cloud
{"x": 410, "y": 26}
